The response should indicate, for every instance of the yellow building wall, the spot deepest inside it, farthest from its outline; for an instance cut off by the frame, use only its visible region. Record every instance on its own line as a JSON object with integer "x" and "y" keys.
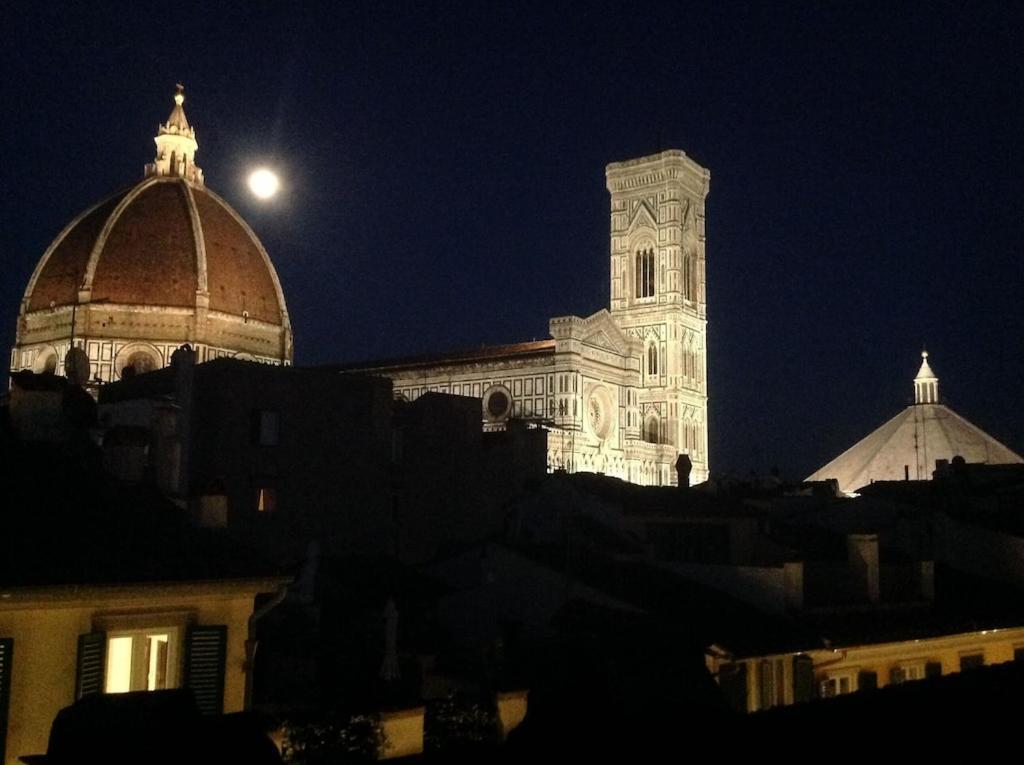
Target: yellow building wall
{"x": 997, "y": 646}
{"x": 403, "y": 733}
{"x": 511, "y": 710}
{"x": 45, "y": 659}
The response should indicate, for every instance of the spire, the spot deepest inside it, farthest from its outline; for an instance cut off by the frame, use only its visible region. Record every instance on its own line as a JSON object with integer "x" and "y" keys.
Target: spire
{"x": 176, "y": 145}
{"x": 926, "y": 384}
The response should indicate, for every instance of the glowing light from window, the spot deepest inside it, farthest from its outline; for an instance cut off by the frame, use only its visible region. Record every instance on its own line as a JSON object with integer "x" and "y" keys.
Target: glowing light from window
{"x": 119, "y": 665}
{"x": 137, "y": 662}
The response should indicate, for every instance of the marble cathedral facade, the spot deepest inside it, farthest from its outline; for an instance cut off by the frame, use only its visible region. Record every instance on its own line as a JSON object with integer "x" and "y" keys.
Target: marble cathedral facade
{"x": 622, "y": 392}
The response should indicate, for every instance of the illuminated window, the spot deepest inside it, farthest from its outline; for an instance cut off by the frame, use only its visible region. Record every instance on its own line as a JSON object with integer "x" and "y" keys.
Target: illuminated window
{"x": 652, "y": 361}
{"x": 645, "y": 273}
{"x": 141, "y": 660}
{"x": 150, "y": 652}
{"x": 266, "y": 499}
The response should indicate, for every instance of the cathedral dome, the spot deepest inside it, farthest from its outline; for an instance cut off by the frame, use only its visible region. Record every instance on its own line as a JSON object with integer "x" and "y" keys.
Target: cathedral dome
{"x": 154, "y": 266}
{"x": 162, "y": 242}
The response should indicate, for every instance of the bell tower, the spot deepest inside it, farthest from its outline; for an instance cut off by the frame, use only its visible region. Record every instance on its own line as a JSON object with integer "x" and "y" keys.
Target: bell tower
{"x": 658, "y": 296}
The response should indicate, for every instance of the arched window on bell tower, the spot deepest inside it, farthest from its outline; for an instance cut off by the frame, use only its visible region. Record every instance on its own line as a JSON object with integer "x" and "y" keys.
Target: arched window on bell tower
{"x": 645, "y": 272}
{"x": 652, "y": 361}
{"x": 687, "y": 277}
{"x": 651, "y": 428}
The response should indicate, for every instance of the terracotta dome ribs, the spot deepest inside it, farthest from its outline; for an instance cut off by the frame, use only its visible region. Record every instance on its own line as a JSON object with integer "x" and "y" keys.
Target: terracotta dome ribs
{"x": 62, "y": 273}
{"x": 149, "y": 256}
{"x": 238, "y": 277}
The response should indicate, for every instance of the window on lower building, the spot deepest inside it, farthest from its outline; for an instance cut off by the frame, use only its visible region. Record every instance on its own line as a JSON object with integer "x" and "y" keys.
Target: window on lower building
{"x": 836, "y": 685}
{"x": 971, "y": 661}
{"x": 141, "y": 660}
{"x": 772, "y": 677}
{"x": 266, "y": 499}
{"x": 905, "y": 673}
{"x": 134, "y": 656}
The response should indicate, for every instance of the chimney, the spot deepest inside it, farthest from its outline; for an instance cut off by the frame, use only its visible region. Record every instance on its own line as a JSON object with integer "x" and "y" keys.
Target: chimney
{"x": 167, "y": 448}
{"x": 683, "y": 469}
{"x": 793, "y": 579}
{"x": 862, "y": 555}
{"x": 183, "y": 362}
{"x": 927, "y": 580}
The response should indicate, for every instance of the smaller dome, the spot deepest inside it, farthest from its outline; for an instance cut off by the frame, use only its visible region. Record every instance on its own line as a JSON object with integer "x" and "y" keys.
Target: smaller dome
{"x": 909, "y": 445}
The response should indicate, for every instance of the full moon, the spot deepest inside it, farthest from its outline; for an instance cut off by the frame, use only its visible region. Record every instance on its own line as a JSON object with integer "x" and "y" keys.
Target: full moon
{"x": 263, "y": 183}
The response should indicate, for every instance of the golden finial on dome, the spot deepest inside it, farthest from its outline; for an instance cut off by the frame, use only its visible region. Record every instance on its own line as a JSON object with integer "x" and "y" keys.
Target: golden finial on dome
{"x": 177, "y": 120}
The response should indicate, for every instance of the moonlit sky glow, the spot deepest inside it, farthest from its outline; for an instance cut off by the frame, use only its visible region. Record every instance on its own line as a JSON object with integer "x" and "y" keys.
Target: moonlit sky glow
{"x": 444, "y": 167}
{"x": 263, "y": 183}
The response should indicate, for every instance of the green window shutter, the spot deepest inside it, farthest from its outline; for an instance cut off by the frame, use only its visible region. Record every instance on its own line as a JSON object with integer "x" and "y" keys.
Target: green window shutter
{"x": 6, "y": 655}
{"x": 803, "y": 678}
{"x": 867, "y": 681}
{"x": 732, "y": 678}
{"x": 205, "y": 659}
{"x": 764, "y": 681}
{"x": 933, "y": 669}
{"x": 92, "y": 659}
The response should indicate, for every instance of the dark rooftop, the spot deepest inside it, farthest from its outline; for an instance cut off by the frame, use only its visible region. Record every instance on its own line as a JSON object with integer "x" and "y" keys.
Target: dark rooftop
{"x": 65, "y": 523}
{"x": 484, "y": 353}
{"x": 160, "y": 382}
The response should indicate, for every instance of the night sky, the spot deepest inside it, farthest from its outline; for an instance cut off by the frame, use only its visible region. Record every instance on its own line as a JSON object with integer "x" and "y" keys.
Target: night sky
{"x": 444, "y": 172}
